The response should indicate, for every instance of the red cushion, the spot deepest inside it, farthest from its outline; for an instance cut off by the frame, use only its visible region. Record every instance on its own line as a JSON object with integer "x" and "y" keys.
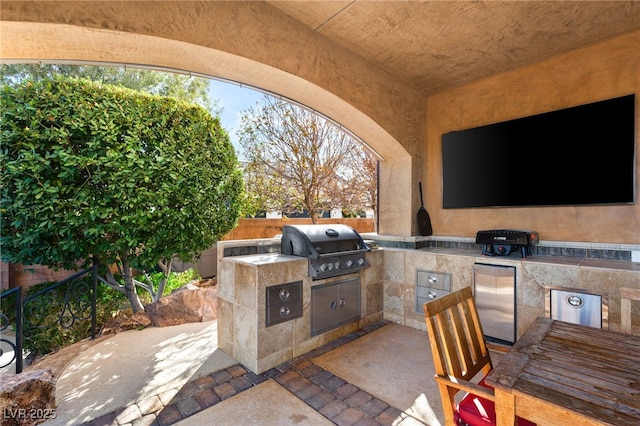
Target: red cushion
{"x": 476, "y": 411}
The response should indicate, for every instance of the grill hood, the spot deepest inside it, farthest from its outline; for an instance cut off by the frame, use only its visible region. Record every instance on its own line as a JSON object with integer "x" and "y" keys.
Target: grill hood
{"x": 332, "y": 249}
{"x": 317, "y": 241}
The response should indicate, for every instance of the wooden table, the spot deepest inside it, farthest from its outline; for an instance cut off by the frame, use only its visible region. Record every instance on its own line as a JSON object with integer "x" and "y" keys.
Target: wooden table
{"x": 562, "y": 374}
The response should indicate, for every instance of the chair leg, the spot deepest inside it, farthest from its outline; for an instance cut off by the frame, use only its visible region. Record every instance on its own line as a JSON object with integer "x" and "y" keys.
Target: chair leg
{"x": 625, "y": 315}
{"x": 448, "y": 404}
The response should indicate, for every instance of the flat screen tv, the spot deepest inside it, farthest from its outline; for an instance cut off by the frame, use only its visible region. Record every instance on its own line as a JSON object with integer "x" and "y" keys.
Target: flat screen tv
{"x": 583, "y": 155}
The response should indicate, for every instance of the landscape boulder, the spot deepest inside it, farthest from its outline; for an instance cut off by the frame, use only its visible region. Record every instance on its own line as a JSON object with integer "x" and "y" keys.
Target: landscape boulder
{"x": 192, "y": 302}
{"x": 28, "y": 398}
{"x": 126, "y": 321}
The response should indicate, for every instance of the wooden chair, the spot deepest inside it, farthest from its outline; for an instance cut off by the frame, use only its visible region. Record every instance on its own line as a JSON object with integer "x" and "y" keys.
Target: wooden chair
{"x": 460, "y": 354}
{"x": 626, "y": 296}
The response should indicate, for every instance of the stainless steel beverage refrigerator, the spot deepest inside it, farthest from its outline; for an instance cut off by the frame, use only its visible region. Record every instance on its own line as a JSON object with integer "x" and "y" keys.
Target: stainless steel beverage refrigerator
{"x": 494, "y": 292}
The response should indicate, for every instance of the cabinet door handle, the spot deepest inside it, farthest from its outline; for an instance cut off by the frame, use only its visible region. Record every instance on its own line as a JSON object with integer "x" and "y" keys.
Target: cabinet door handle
{"x": 284, "y": 294}
{"x": 285, "y": 311}
{"x": 575, "y": 301}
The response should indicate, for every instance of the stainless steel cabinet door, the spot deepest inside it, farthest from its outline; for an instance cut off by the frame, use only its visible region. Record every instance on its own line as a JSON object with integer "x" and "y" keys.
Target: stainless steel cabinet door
{"x": 576, "y": 307}
{"x": 334, "y": 304}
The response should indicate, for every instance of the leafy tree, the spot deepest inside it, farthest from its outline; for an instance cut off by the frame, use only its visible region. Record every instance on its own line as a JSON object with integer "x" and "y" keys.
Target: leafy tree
{"x": 183, "y": 87}
{"x": 297, "y": 160}
{"x": 100, "y": 173}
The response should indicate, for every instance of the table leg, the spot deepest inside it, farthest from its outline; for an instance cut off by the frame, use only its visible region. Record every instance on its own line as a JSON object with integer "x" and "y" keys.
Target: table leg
{"x": 505, "y": 408}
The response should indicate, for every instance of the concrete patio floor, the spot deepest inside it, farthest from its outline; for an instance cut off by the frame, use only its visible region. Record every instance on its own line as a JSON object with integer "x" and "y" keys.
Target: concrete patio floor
{"x": 381, "y": 375}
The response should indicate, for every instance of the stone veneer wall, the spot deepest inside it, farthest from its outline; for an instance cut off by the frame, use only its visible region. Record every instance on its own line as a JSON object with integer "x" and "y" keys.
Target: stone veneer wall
{"x": 622, "y": 252}
{"x": 245, "y": 269}
{"x": 534, "y": 277}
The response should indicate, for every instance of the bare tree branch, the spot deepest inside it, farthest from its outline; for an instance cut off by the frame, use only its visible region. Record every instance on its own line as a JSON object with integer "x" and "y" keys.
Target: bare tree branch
{"x": 295, "y": 160}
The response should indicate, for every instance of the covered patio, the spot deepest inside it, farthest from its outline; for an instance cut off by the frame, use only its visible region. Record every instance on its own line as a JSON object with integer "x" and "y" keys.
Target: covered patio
{"x": 397, "y": 75}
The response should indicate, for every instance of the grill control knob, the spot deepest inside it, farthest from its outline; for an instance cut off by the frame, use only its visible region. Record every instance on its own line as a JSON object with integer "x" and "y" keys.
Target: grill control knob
{"x": 337, "y": 265}
{"x": 349, "y": 263}
{"x": 323, "y": 267}
{"x": 360, "y": 262}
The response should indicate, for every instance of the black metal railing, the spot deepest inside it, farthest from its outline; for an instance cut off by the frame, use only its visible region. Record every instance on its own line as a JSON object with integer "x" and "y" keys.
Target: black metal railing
{"x": 74, "y": 300}
{"x": 10, "y": 348}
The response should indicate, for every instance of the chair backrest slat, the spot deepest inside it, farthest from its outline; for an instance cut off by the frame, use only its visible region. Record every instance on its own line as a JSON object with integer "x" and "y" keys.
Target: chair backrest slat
{"x": 457, "y": 340}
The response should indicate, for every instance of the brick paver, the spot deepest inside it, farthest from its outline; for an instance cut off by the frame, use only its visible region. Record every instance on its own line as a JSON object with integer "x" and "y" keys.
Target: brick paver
{"x": 346, "y": 390}
{"x": 309, "y": 391}
{"x": 204, "y": 381}
{"x": 348, "y": 417}
{"x": 333, "y": 409}
{"x": 359, "y": 399}
{"x": 168, "y": 416}
{"x": 225, "y": 390}
{"x": 188, "y": 407}
{"x": 221, "y": 376}
{"x": 207, "y": 398}
{"x": 241, "y": 383}
{"x": 389, "y": 416}
{"x": 320, "y": 399}
{"x": 374, "y": 407}
{"x": 332, "y": 384}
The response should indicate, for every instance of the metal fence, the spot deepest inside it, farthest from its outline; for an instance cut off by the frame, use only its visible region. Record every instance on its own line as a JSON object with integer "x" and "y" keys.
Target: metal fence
{"x": 32, "y": 318}
{"x": 11, "y": 346}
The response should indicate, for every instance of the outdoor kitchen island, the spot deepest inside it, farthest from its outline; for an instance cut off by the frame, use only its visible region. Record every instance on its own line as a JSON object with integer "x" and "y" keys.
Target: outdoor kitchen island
{"x": 391, "y": 289}
{"x": 245, "y": 289}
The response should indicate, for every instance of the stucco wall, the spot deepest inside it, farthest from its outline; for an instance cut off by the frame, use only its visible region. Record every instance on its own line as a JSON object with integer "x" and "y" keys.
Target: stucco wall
{"x": 253, "y": 43}
{"x": 249, "y": 42}
{"x": 598, "y": 72}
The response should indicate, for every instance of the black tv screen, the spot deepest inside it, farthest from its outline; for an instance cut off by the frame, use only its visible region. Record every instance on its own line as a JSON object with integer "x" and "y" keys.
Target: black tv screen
{"x": 583, "y": 155}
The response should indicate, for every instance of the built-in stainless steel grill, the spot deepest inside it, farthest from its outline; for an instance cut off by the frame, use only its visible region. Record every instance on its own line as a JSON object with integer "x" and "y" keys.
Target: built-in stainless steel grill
{"x": 332, "y": 249}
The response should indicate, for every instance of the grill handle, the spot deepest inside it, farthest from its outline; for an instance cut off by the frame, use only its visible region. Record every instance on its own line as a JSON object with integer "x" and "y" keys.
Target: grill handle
{"x": 331, "y": 233}
{"x": 323, "y": 255}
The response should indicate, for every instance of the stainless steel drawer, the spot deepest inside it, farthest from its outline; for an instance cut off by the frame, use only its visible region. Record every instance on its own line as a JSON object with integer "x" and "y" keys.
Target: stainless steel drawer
{"x": 284, "y": 293}
{"x": 283, "y": 303}
{"x": 282, "y": 312}
{"x": 429, "y": 286}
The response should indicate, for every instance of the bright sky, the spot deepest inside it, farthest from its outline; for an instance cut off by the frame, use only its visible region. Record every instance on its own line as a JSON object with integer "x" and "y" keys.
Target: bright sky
{"x": 233, "y": 100}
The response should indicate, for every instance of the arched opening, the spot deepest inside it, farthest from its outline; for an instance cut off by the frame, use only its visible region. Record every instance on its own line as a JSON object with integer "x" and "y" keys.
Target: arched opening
{"x": 24, "y": 41}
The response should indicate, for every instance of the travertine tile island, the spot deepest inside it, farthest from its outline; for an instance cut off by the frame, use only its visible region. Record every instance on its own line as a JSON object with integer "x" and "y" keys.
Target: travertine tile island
{"x": 243, "y": 283}
{"x": 248, "y": 268}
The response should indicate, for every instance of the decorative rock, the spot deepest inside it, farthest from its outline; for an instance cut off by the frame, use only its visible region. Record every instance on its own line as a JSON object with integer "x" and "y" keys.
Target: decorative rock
{"x": 189, "y": 303}
{"x": 125, "y": 320}
{"x": 28, "y": 398}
